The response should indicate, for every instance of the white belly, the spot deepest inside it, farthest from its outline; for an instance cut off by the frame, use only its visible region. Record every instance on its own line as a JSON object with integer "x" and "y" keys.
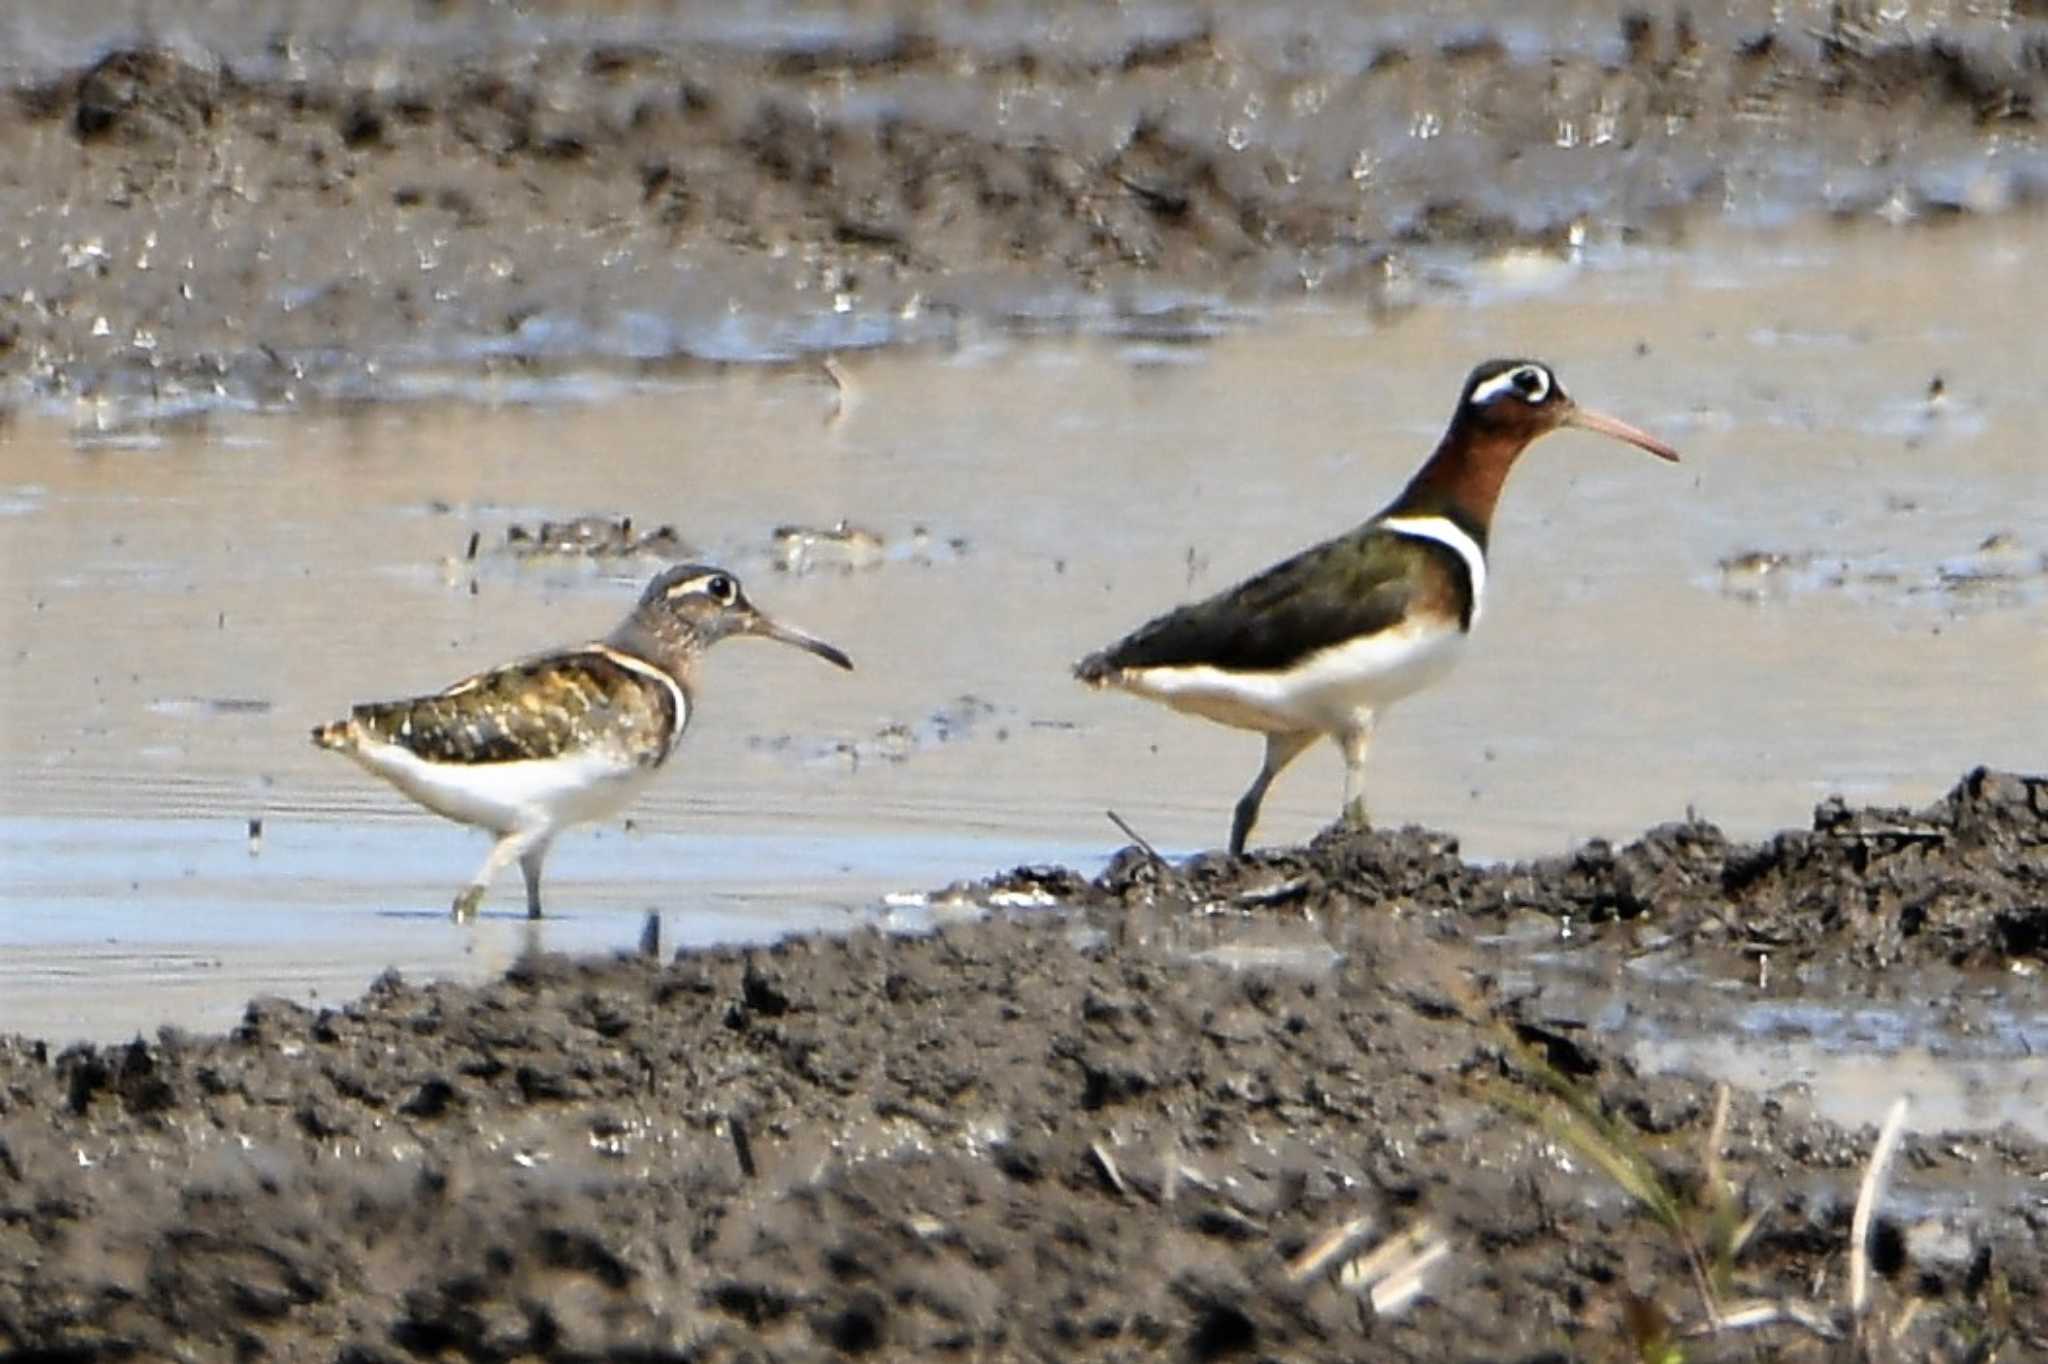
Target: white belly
{"x": 503, "y": 797}
{"x": 1324, "y": 692}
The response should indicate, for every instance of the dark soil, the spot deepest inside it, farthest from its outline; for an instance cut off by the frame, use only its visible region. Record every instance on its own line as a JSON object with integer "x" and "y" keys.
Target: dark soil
{"x": 245, "y": 203}
{"x": 1058, "y": 1136}
{"x": 1963, "y": 882}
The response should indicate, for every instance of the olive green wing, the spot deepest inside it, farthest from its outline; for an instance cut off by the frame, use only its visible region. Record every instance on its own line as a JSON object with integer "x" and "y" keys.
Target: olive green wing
{"x": 1355, "y": 585}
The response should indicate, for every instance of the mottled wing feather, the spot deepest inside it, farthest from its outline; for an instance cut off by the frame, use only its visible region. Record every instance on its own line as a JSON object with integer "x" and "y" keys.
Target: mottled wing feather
{"x": 537, "y": 708}
{"x": 1357, "y": 584}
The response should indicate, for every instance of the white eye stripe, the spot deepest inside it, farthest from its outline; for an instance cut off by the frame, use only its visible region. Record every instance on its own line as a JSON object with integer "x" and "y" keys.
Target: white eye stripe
{"x": 708, "y": 584}
{"x": 1517, "y": 382}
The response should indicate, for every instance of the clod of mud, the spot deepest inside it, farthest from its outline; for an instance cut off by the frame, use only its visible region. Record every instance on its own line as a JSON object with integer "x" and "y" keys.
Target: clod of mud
{"x": 2001, "y": 572}
{"x": 844, "y": 546}
{"x": 1010, "y": 1140}
{"x": 592, "y": 537}
{"x": 1960, "y": 882}
{"x": 848, "y": 548}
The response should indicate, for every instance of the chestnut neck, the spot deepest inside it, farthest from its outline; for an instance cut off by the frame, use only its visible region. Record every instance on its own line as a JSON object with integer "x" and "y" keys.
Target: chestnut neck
{"x": 1463, "y": 477}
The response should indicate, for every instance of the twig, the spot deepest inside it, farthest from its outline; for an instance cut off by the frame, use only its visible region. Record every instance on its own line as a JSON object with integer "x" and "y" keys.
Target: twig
{"x": 1752, "y": 1314}
{"x": 1390, "y": 1275}
{"x": 1866, "y": 1206}
{"x": 1904, "y": 1321}
{"x": 1400, "y": 1288}
{"x": 1903, "y": 832}
{"x": 1107, "y": 1164}
{"x": 742, "y": 1147}
{"x": 1389, "y": 1256}
{"x": 1729, "y": 1231}
{"x": 842, "y": 390}
{"x": 1717, "y": 1132}
{"x": 1139, "y": 839}
{"x": 1327, "y": 1247}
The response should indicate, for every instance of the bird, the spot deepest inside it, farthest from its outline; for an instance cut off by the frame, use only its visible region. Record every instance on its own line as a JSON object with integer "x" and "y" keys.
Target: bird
{"x": 563, "y": 737}
{"x": 1323, "y": 642}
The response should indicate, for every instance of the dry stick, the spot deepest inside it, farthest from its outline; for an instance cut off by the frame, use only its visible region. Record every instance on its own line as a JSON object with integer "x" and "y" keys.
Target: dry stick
{"x": 1336, "y": 1241}
{"x": 742, "y": 1146}
{"x": 1400, "y": 1288}
{"x": 1106, "y": 1163}
{"x": 842, "y": 389}
{"x": 1753, "y": 1313}
{"x": 1904, "y": 1321}
{"x": 1716, "y": 1180}
{"x": 1391, "y": 1256}
{"x": 1701, "y": 1280}
{"x": 1391, "y": 1274}
{"x": 1139, "y": 839}
{"x": 1866, "y": 1206}
{"x": 1717, "y": 1133}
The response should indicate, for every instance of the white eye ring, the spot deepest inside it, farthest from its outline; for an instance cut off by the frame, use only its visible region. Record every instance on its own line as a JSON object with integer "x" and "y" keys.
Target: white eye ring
{"x": 1530, "y": 383}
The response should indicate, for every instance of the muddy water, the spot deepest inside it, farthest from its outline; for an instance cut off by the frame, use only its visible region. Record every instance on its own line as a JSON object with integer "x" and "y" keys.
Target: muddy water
{"x": 1841, "y": 589}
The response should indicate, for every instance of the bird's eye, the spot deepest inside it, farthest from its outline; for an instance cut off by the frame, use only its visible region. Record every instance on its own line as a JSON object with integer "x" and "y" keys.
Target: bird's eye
{"x": 1529, "y": 384}
{"x": 722, "y": 590}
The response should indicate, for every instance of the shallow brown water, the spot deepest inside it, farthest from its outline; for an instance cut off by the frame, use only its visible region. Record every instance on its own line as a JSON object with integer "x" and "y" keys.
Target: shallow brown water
{"x": 186, "y": 600}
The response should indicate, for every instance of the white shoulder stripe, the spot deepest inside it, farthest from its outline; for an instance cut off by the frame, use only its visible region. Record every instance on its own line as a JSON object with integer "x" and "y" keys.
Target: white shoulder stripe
{"x": 646, "y": 669}
{"x": 1445, "y": 531}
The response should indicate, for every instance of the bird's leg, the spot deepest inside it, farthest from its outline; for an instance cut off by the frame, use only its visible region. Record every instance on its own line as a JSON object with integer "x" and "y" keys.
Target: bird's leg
{"x": 1355, "y": 739}
{"x": 529, "y": 864}
{"x": 1281, "y": 749}
{"x": 508, "y": 848}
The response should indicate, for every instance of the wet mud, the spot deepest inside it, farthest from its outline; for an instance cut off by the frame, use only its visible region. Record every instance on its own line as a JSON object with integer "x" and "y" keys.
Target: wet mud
{"x": 1962, "y": 882}
{"x": 589, "y": 537}
{"x": 898, "y": 741}
{"x": 1082, "y": 1118}
{"x": 217, "y": 207}
{"x": 1053, "y": 1134}
{"x": 2001, "y": 571}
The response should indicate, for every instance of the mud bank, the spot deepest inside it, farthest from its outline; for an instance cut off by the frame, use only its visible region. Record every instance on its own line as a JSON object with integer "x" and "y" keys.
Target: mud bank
{"x": 1036, "y": 1136}
{"x": 1963, "y": 882}
{"x": 257, "y": 204}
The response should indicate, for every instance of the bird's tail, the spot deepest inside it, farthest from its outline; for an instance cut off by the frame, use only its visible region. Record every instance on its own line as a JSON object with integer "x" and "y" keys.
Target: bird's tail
{"x": 341, "y": 736}
{"x": 1096, "y": 670}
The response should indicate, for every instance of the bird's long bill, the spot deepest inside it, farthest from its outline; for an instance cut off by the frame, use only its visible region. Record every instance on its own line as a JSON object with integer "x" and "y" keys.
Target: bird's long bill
{"x": 1588, "y": 420}
{"x": 789, "y": 634}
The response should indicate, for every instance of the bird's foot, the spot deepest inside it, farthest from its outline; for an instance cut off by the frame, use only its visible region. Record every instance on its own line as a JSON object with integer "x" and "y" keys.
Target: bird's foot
{"x": 533, "y": 909}
{"x": 467, "y": 902}
{"x": 1353, "y": 818}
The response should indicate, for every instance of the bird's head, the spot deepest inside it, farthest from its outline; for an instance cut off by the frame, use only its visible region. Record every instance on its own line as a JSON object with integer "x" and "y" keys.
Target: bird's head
{"x": 1522, "y": 399}
{"x": 690, "y": 607}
